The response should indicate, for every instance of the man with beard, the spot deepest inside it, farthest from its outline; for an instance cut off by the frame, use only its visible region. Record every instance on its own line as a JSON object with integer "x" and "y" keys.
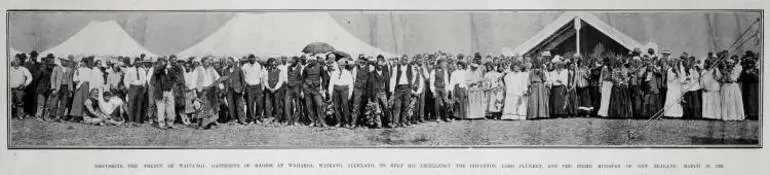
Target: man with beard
{"x": 292, "y": 99}
{"x": 234, "y": 85}
{"x": 401, "y": 87}
{"x": 20, "y": 78}
{"x": 274, "y": 85}
{"x": 311, "y": 77}
{"x": 252, "y": 74}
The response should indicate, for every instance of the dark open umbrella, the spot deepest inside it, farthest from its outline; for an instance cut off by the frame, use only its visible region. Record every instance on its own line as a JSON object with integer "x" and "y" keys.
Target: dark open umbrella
{"x": 340, "y": 54}
{"x": 317, "y": 47}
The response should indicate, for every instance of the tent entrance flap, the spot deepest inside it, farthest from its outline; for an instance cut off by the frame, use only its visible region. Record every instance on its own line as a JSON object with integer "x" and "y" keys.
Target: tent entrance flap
{"x": 563, "y": 42}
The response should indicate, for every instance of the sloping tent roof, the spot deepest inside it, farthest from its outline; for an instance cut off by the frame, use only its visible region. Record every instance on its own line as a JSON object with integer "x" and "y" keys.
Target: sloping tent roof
{"x": 272, "y": 34}
{"x": 550, "y": 30}
{"x": 12, "y": 51}
{"x": 102, "y": 39}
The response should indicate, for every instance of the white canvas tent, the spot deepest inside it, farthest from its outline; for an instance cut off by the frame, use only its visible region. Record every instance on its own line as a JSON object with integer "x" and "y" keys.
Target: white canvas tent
{"x": 271, "y": 34}
{"x": 13, "y": 51}
{"x": 552, "y": 31}
{"x": 101, "y": 39}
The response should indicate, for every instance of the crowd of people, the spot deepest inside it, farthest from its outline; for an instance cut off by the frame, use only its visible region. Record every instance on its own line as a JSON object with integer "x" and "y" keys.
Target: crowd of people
{"x": 330, "y": 89}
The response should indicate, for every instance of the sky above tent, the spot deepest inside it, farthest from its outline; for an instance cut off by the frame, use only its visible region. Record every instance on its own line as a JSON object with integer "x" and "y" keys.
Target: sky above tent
{"x": 400, "y": 32}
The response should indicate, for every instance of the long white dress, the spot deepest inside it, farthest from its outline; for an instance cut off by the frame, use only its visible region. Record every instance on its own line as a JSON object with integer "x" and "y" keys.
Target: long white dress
{"x": 672, "y": 107}
{"x": 712, "y": 99}
{"x": 606, "y": 91}
{"x": 732, "y": 99}
{"x": 515, "y": 107}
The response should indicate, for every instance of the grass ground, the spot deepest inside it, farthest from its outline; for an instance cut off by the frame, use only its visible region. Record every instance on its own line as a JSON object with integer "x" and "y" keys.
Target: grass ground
{"x": 569, "y": 131}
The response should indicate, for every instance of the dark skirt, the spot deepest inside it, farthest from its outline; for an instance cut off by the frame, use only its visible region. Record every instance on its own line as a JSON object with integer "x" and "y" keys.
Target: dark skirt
{"x": 78, "y": 100}
{"x": 692, "y": 105}
{"x": 559, "y": 101}
{"x": 537, "y": 106}
{"x": 652, "y": 104}
{"x": 595, "y": 94}
{"x": 584, "y": 97}
{"x": 637, "y": 98}
{"x": 751, "y": 99}
{"x": 620, "y": 103}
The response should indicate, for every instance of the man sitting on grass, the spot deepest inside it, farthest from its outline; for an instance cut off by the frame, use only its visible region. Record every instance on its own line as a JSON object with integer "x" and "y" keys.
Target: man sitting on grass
{"x": 104, "y": 108}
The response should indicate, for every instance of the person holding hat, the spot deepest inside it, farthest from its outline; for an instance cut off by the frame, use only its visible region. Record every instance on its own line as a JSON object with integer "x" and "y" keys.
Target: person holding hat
{"x": 134, "y": 81}
{"x": 253, "y": 74}
{"x": 340, "y": 88}
{"x": 439, "y": 86}
{"x": 19, "y": 79}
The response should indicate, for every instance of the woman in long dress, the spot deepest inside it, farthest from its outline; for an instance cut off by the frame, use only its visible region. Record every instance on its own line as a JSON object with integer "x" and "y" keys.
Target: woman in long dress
{"x": 712, "y": 98}
{"x": 732, "y": 99}
{"x": 749, "y": 81}
{"x": 476, "y": 102}
{"x": 606, "y": 89}
{"x": 621, "y": 105}
{"x": 558, "y": 98}
{"x": 82, "y": 89}
{"x": 674, "y": 80}
{"x": 516, "y": 82}
{"x": 692, "y": 90}
{"x": 537, "y": 105}
{"x": 494, "y": 91}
